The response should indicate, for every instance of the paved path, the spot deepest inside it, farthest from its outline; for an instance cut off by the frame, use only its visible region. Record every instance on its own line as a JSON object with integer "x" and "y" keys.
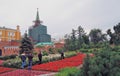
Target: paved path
{"x": 50, "y": 74}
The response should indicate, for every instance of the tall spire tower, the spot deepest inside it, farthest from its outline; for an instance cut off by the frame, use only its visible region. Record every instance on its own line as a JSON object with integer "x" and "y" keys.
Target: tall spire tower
{"x": 37, "y": 21}
{"x": 38, "y": 32}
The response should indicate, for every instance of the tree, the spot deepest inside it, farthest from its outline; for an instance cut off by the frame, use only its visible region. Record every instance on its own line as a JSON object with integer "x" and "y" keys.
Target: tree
{"x": 81, "y": 33}
{"x": 73, "y": 39}
{"x": 86, "y": 65}
{"x": 67, "y": 42}
{"x": 105, "y": 62}
{"x": 86, "y": 39}
{"x": 96, "y": 36}
{"x": 26, "y": 45}
{"x": 114, "y": 37}
{"x": 76, "y": 39}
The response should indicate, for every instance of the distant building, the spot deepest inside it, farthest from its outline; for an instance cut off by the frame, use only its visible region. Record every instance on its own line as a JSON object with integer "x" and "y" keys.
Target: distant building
{"x": 9, "y": 48}
{"x": 38, "y": 32}
{"x": 8, "y": 34}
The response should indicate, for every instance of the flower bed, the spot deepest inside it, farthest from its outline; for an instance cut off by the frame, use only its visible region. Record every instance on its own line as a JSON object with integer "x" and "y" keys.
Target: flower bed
{"x": 1, "y": 62}
{"x": 21, "y": 72}
{"x": 57, "y": 65}
{"x": 3, "y": 69}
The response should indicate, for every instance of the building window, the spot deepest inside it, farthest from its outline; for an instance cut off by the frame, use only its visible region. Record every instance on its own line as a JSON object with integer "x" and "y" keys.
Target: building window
{"x": 8, "y": 33}
{"x": 0, "y": 32}
{"x": 11, "y": 34}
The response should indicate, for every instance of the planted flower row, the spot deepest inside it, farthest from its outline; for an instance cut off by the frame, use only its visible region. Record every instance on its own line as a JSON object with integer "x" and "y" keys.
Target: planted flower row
{"x": 21, "y": 72}
{"x": 4, "y": 69}
{"x": 57, "y": 65}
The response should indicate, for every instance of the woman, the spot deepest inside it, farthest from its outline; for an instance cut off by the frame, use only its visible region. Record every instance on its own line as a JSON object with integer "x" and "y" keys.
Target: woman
{"x": 23, "y": 59}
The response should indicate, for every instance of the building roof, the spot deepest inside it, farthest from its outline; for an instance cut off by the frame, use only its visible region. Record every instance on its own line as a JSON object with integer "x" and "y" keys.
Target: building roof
{"x": 44, "y": 43}
{"x": 6, "y": 28}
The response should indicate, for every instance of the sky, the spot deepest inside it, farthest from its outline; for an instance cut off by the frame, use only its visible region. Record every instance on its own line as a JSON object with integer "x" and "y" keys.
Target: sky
{"x": 60, "y": 16}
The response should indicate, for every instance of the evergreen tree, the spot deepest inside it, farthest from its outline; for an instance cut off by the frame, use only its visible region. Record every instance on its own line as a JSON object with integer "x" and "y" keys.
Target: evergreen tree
{"x": 86, "y": 39}
{"x": 67, "y": 42}
{"x": 26, "y": 45}
{"x": 106, "y": 62}
{"x": 81, "y": 33}
{"x": 73, "y": 39}
{"x": 96, "y": 36}
{"x": 86, "y": 65}
{"x": 115, "y": 37}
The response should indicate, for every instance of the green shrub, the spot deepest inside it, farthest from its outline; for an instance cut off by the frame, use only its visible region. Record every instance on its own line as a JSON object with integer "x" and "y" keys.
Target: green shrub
{"x": 70, "y": 54}
{"x": 7, "y": 57}
{"x": 45, "y": 53}
{"x": 34, "y": 53}
{"x": 69, "y": 72}
{"x": 59, "y": 50}
{"x": 51, "y": 51}
{"x": 83, "y": 50}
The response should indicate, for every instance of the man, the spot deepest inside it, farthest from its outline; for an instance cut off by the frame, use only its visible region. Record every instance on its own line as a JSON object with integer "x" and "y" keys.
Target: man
{"x": 62, "y": 55}
{"x": 30, "y": 57}
{"x": 40, "y": 57}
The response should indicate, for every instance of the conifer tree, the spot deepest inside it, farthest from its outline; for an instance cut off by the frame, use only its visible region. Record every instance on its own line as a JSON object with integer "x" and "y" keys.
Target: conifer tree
{"x": 26, "y": 45}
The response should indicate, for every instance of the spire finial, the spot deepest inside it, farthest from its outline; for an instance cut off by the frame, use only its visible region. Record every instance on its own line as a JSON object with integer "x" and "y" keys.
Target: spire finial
{"x": 37, "y": 16}
{"x": 25, "y": 33}
{"x": 37, "y": 9}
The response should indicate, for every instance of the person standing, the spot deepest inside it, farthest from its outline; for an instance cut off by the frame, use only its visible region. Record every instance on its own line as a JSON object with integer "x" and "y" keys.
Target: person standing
{"x": 30, "y": 57}
{"x": 23, "y": 59}
{"x": 62, "y": 55}
{"x": 40, "y": 57}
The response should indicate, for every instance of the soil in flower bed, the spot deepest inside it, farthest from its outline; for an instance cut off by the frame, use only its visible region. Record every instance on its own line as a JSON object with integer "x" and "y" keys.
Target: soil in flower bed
{"x": 22, "y": 72}
{"x": 57, "y": 65}
{"x": 4, "y": 69}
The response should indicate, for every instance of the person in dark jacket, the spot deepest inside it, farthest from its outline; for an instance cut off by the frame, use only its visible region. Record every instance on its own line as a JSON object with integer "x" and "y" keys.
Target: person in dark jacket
{"x": 62, "y": 55}
{"x": 30, "y": 57}
{"x": 23, "y": 59}
{"x": 40, "y": 57}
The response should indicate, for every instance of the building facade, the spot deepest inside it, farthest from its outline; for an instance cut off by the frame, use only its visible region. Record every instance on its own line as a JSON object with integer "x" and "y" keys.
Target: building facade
{"x": 38, "y": 32}
{"x": 8, "y": 34}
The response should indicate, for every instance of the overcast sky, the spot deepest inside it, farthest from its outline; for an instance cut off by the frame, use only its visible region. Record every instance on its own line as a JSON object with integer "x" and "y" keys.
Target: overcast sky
{"x": 60, "y": 16}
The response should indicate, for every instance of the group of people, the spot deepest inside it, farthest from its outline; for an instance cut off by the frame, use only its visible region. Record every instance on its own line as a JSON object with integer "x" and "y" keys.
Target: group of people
{"x": 30, "y": 57}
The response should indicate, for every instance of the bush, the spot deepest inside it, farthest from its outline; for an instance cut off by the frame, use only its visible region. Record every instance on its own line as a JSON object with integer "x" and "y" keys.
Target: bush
{"x": 34, "y": 53}
{"x": 51, "y": 51}
{"x": 45, "y": 53}
{"x": 70, "y": 54}
{"x": 69, "y": 72}
{"x": 59, "y": 50}
{"x": 104, "y": 63}
{"x": 83, "y": 50}
{"x": 7, "y": 57}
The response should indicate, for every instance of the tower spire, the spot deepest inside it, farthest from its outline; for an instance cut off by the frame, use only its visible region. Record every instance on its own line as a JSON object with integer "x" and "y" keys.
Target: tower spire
{"x": 37, "y": 16}
{"x": 37, "y": 21}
